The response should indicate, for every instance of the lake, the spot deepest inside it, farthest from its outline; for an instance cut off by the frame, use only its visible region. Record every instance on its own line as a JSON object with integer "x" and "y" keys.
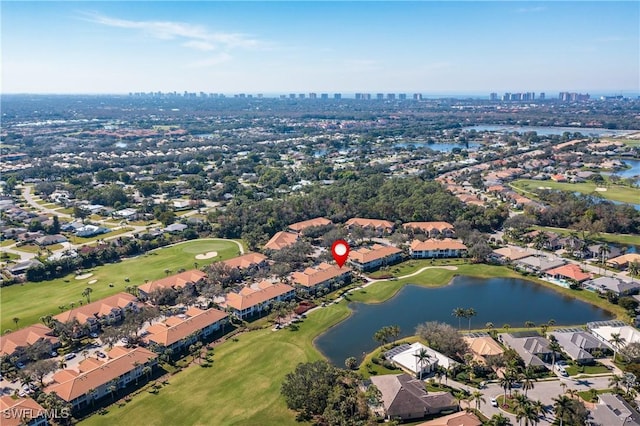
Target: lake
{"x": 498, "y": 300}
{"x": 546, "y": 131}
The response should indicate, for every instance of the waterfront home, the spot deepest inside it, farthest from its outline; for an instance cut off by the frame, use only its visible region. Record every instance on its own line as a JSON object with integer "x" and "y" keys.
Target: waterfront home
{"x": 483, "y": 346}
{"x": 368, "y": 259}
{"x": 176, "y": 281}
{"x": 22, "y": 411}
{"x": 578, "y": 344}
{"x": 622, "y": 262}
{"x": 324, "y": 275}
{"x": 14, "y": 343}
{"x": 613, "y": 410}
{"x": 605, "y": 331}
{"x": 461, "y": 418}
{"x": 551, "y": 242}
{"x": 179, "y": 331}
{"x": 406, "y": 398}
{"x": 248, "y": 261}
{"x": 433, "y": 248}
{"x": 281, "y": 240}
{"x": 432, "y": 229}
{"x": 509, "y": 254}
{"x": 538, "y": 264}
{"x": 110, "y": 310}
{"x": 595, "y": 251}
{"x": 380, "y": 227}
{"x": 569, "y": 271}
{"x": 93, "y": 379}
{"x": 301, "y": 226}
{"x": 404, "y": 356}
{"x": 616, "y": 285}
{"x": 253, "y": 301}
{"x": 533, "y": 350}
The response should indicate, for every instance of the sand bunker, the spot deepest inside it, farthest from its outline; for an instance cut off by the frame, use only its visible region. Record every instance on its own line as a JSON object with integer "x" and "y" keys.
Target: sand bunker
{"x": 207, "y": 255}
{"x": 84, "y": 276}
{"x": 92, "y": 282}
{"x": 601, "y": 189}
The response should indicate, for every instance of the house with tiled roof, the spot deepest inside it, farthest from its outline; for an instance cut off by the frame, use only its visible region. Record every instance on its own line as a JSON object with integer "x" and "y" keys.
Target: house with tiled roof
{"x": 405, "y": 398}
{"x": 432, "y": 229}
{"x": 93, "y": 381}
{"x": 176, "y": 281}
{"x": 614, "y": 284}
{"x": 22, "y": 411}
{"x": 368, "y": 259}
{"x": 622, "y": 262}
{"x": 324, "y": 275}
{"x": 11, "y": 343}
{"x": 579, "y": 344}
{"x": 433, "y": 248}
{"x": 253, "y": 301}
{"x": 109, "y": 310}
{"x": 301, "y": 226}
{"x": 613, "y": 410}
{"x": 509, "y": 254}
{"x": 247, "y": 261}
{"x": 380, "y": 227}
{"x": 179, "y": 331}
{"x": 534, "y": 350}
{"x": 483, "y": 347}
{"x": 461, "y": 418}
{"x": 569, "y": 271}
{"x": 281, "y": 240}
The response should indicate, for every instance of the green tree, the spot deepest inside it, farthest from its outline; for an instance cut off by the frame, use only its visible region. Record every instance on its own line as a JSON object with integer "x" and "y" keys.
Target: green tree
{"x": 87, "y": 293}
{"x": 459, "y": 313}
{"x": 351, "y": 363}
{"x": 422, "y": 358}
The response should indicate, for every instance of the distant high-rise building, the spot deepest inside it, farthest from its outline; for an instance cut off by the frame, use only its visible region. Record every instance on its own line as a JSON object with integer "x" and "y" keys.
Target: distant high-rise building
{"x": 391, "y": 96}
{"x": 324, "y": 96}
{"x": 542, "y": 96}
{"x": 292, "y": 95}
{"x": 337, "y": 96}
{"x": 493, "y": 96}
{"x": 380, "y": 96}
{"x": 312, "y": 95}
{"x": 301, "y": 96}
{"x": 417, "y": 96}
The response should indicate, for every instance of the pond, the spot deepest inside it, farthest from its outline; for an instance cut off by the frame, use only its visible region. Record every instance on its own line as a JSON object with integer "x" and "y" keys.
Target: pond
{"x": 497, "y": 300}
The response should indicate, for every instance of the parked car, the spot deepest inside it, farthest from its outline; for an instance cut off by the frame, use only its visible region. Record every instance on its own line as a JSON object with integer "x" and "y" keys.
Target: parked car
{"x": 494, "y": 402}
{"x": 70, "y": 356}
{"x": 100, "y": 354}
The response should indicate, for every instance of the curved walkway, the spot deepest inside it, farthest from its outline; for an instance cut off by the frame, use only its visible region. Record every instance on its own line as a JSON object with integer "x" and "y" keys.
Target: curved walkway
{"x": 413, "y": 274}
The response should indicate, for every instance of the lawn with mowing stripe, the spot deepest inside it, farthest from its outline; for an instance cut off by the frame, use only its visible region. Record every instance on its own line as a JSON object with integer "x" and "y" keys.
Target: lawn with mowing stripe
{"x": 622, "y": 239}
{"x": 242, "y": 387}
{"x": 31, "y": 301}
{"x": 620, "y": 193}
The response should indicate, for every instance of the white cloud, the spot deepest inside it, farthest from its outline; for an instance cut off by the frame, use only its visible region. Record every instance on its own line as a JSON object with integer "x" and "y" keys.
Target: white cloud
{"x": 195, "y": 37}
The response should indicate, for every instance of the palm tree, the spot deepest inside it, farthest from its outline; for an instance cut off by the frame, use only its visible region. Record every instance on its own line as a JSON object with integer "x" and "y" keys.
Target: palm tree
{"x": 554, "y": 347}
{"x": 506, "y": 383}
{"x": 16, "y": 320}
{"x": 633, "y": 268}
{"x": 506, "y": 327}
{"x": 561, "y": 407}
{"x": 459, "y": 396}
{"x": 459, "y": 313}
{"x": 603, "y": 252}
{"x": 529, "y": 324}
{"x": 540, "y": 241}
{"x": 573, "y": 393}
{"x": 498, "y": 420}
{"x": 87, "y": 293}
{"x": 539, "y": 407}
{"x": 617, "y": 341}
{"x": 527, "y": 378}
{"x": 147, "y": 372}
{"x": 113, "y": 387}
{"x": 477, "y": 396}
{"x": 489, "y": 325}
{"x": 92, "y": 396}
{"x": 422, "y": 357}
{"x": 527, "y": 413}
{"x": 563, "y": 385}
{"x": 394, "y": 331}
{"x": 470, "y": 313}
{"x": 615, "y": 381}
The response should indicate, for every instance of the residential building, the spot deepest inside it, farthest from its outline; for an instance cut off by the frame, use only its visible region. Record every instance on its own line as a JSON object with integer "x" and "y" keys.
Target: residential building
{"x": 253, "y": 301}
{"x": 247, "y": 261}
{"x": 406, "y": 398}
{"x": 569, "y": 271}
{"x": 613, "y": 410}
{"x": 281, "y": 240}
{"x": 48, "y": 240}
{"x": 433, "y": 248}
{"x": 94, "y": 379}
{"x": 617, "y": 286}
{"x": 578, "y": 344}
{"x": 509, "y": 254}
{"x": 301, "y": 226}
{"x": 597, "y": 251}
{"x": 12, "y": 343}
{"x": 483, "y": 346}
{"x": 537, "y": 264}
{"x": 367, "y": 259}
{"x": 109, "y": 310}
{"x": 461, "y": 418}
{"x": 324, "y": 275}
{"x": 622, "y": 262}
{"x": 179, "y": 331}
{"x": 404, "y": 356}
{"x": 533, "y": 350}
{"x": 604, "y": 331}
{"x": 22, "y": 411}
{"x": 380, "y": 227}
{"x": 21, "y": 268}
{"x": 176, "y": 281}
{"x": 175, "y": 228}
{"x": 432, "y": 229}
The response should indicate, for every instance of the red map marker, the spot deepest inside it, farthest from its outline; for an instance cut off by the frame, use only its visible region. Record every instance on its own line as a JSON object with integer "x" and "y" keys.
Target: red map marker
{"x": 340, "y": 252}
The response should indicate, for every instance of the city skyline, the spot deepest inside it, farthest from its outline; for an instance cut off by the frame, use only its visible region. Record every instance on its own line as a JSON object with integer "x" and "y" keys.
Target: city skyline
{"x": 332, "y": 47}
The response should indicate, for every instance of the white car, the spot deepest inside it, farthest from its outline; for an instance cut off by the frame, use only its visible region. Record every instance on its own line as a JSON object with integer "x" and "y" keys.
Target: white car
{"x": 494, "y": 402}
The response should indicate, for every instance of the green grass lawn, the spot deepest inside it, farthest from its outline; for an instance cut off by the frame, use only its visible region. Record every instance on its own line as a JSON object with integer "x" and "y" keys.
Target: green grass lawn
{"x": 622, "y": 239}
{"x": 5, "y": 243}
{"x": 620, "y": 193}
{"x": 574, "y": 370}
{"x": 241, "y": 388}
{"x": 81, "y": 240}
{"x": 31, "y": 301}
{"x": 630, "y": 142}
{"x": 28, "y": 248}
{"x": 413, "y": 265}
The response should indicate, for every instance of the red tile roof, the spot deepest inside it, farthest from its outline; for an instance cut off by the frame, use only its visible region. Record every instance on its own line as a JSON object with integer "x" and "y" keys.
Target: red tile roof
{"x": 255, "y": 297}
{"x": 366, "y": 255}
{"x": 281, "y": 240}
{"x": 174, "y": 329}
{"x": 246, "y": 260}
{"x": 570, "y": 270}
{"x": 370, "y": 223}
{"x": 14, "y": 412}
{"x": 433, "y": 244}
{"x": 313, "y": 276}
{"x": 99, "y": 308}
{"x": 176, "y": 281}
{"x": 429, "y": 226}
{"x": 318, "y": 221}
{"x": 25, "y": 337}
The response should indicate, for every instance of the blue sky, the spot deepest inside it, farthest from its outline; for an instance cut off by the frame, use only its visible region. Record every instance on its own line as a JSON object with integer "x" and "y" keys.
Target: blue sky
{"x": 301, "y": 47}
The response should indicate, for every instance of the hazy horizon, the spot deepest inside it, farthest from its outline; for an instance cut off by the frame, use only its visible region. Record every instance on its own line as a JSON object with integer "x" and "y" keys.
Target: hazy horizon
{"x": 457, "y": 48}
